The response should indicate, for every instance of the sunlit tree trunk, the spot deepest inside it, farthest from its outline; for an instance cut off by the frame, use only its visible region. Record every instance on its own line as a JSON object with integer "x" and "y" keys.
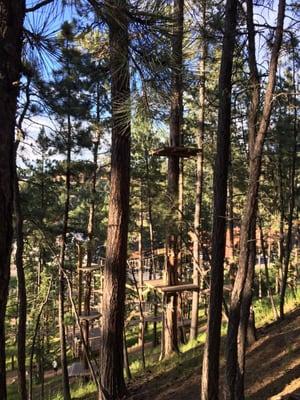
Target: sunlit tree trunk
{"x": 90, "y": 232}
{"x": 266, "y": 264}
{"x": 112, "y": 383}
{"x": 61, "y": 281}
{"x": 210, "y": 367}
{"x": 249, "y": 214}
{"x": 171, "y": 300}
{"x": 197, "y": 243}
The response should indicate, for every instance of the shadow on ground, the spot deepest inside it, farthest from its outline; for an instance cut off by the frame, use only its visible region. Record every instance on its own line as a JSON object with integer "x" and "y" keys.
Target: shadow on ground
{"x": 273, "y": 368}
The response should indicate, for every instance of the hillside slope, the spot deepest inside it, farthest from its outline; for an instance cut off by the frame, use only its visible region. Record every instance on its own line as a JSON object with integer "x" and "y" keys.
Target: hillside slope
{"x": 273, "y": 368}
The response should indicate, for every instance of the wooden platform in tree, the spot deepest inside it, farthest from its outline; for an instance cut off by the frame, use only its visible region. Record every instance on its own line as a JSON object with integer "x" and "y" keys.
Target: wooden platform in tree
{"x": 182, "y": 287}
{"x": 152, "y": 319}
{"x": 93, "y": 332}
{"x": 226, "y": 288}
{"x": 147, "y": 319}
{"x": 92, "y": 268}
{"x": 155, "y": 283}
{"x": 77, "y": 369}
{"x": 94, "y": 343}
{"x": 185, "y": 323}
{"x": 90, "y": 317}
{"x": 176, "y": 151}
{"x": 159, "y": 284}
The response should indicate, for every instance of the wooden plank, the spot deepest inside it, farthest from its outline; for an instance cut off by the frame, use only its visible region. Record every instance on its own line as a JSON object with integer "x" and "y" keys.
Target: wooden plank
{"x": 90, "y": 269}
{"x": 178, "y": 151}
{"x": 183, "y": 323}
{"x": 91, "y": 317}
{"x": 153, "y": 318}
{"x": 148, "y": 318}
{"x": 159, "y": 284}
{"x": 155, "y": 283}
{"x": 180, "y": 288}
{"x": 77, "y": 369}
{"x": 226, "y": 288}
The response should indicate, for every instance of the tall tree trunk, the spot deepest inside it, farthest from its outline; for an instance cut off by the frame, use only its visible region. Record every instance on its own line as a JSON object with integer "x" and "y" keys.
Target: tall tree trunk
{"x": 112, "y": 384}
{"x": 210, "y": 367}
{"x": 90, "y": 232}
{"x": 171, "y": 300}
{"x": 256, "y": 142}
{"x": 266, "y": 262}
{"x": 22, "y": 298}
{"x": 126, "y": 359}
{"x": 140, "y": 285}
{"x": 245, "y": 324}
{"x": 11, "y": 28}
{"x": 288, "y": 243}
{"x": 34, "y": 338}
{"x": 79, "y": 271}
{"x": 61, "y": 283}
{"x": 281, "y": 219}
{"x": 152, "y": 272}
{"x": 231, "y": 223}
{"x": 197, "y": 243}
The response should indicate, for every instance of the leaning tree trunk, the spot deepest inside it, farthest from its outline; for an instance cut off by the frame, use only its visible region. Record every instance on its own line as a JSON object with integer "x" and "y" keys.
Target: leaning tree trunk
{"x": 210, "y": 367}
{"x": 11, "y": 28}
{"x": 244, "y": 326}
{"x": 170, "y": 343}
{"x": 112, "y": 384}
{"x": 249, "y": 214}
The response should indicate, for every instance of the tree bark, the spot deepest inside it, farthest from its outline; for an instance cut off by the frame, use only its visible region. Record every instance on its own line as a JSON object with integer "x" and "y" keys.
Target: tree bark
{"x": 171, "y": 300}
{"x": 256, "y": 141}
{"x": 22, "y": 298}
{"x": 152, "y": 272}
{"x": 90, "y": 232}
{"x": 35, "y": 334}
{"x": 140, "y": 285}
{"x": 61, "y": 283}
{"x": 245, "y": 323}
{"x": 268, "y": 284}
{"x": 288, "y": 243}
{"x": 197, "y": 243}
{"x": 210, "y": 367}
{"x": 231, "y": 223}
{"x": 11, "y": 34}
{"x": 113, "y": 303}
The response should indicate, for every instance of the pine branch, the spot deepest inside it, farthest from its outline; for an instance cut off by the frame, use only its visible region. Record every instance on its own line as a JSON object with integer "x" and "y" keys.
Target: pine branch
{"x": 38, "y": 6}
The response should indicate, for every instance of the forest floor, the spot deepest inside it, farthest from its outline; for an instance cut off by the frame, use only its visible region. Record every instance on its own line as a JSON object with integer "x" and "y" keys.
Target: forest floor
{"x": 273, "y": 368}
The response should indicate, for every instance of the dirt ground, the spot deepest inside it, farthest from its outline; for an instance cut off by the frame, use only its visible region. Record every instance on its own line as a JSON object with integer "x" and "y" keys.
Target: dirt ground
{"x": 273, "y": 369}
